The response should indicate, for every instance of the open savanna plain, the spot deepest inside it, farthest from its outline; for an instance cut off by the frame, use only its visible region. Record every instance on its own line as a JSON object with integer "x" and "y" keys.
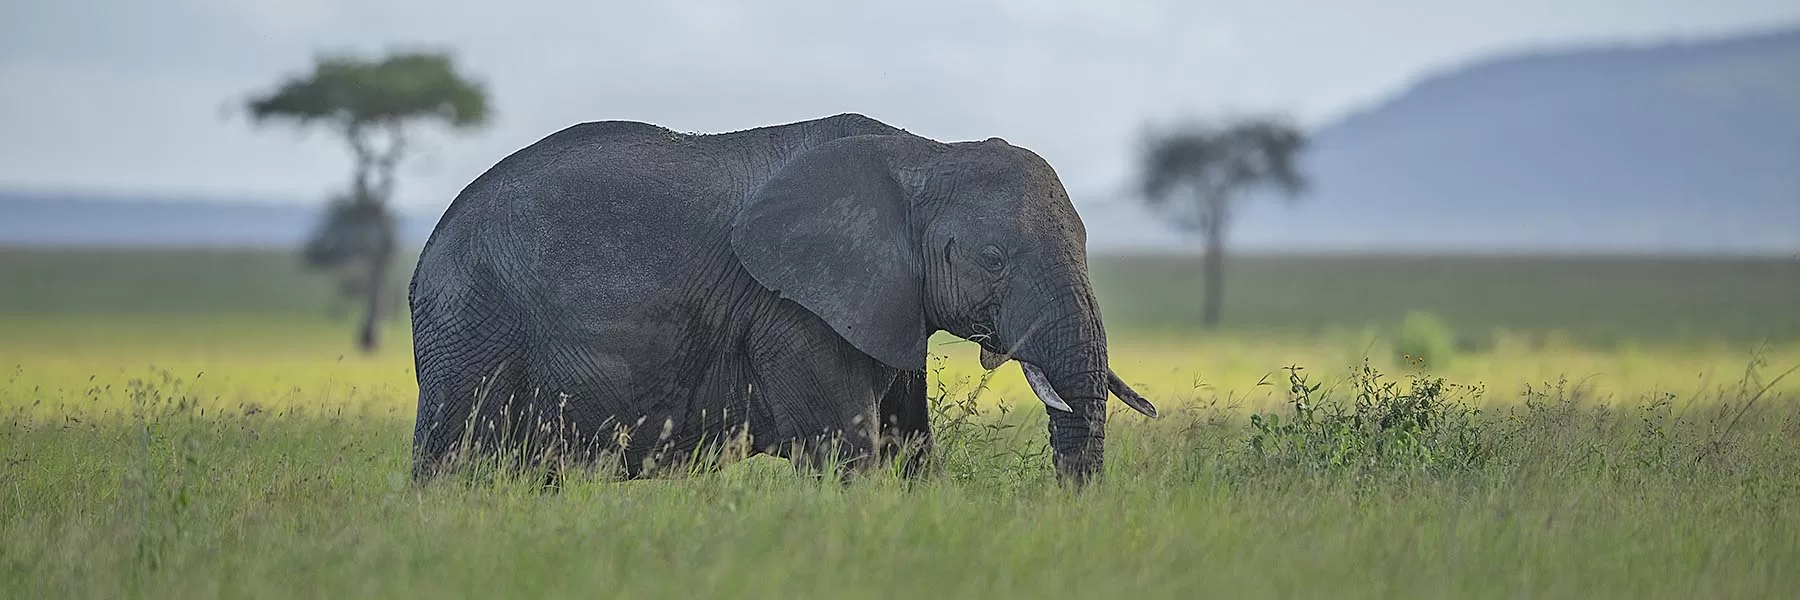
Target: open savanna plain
{"x": 197, "y": 424}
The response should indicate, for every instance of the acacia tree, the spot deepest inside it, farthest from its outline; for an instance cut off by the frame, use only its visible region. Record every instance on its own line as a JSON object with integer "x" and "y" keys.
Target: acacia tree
{"x": 372, "y": 104}
{"x": 1194, "y": 174}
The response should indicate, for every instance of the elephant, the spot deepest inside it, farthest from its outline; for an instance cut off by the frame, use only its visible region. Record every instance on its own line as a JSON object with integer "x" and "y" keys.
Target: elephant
{"x": 620, "y": 286}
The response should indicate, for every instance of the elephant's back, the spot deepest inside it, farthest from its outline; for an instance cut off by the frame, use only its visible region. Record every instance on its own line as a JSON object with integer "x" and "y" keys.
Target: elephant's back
{"x": 602, "y": 191}
{"x": 598, "y": 230}
{"x": 623, "y": 207}
{"x": 623, "y": 200}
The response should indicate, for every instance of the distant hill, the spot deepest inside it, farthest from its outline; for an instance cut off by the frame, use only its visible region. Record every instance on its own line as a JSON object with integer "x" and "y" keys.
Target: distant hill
{"x": 1691, "y": 147}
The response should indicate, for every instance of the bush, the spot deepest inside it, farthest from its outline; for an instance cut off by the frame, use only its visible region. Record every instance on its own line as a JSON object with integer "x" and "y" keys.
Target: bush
{"x": 1423, "y": 428}
{"x": 971, "y": 443}
{"x": 1425, "y": 340}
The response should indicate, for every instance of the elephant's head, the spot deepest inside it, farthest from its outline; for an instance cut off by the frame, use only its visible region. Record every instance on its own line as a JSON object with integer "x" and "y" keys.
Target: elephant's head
{"x": 890, "y": 238}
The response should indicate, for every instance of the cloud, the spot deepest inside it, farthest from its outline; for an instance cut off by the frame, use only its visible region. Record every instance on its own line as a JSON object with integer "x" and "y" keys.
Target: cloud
{"x": 288, "y": 18}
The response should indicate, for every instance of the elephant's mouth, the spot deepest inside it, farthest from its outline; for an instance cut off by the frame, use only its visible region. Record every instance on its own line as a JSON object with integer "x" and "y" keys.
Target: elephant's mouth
{"x": 1040, "y": 384}
{"x": 991, "y": 360}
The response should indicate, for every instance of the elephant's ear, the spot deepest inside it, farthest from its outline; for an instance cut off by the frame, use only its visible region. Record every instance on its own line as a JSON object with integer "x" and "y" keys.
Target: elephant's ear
{"x": 832, "y": 230}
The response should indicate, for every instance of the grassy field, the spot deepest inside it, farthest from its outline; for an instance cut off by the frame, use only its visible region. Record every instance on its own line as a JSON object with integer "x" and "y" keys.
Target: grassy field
{"x": 1597, "y": 301}
{"x": 174, "y": 425}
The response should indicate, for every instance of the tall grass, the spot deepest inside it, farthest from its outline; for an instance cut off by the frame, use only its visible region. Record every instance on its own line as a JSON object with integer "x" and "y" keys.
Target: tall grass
{"x": 1558, "y": 495}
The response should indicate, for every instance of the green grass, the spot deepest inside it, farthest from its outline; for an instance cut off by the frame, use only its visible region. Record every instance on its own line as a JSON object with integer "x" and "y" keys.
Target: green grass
{"x": 1599, "y": 301}
{"x": 169, "y": 500}
{"x": 196, "y": 425}
{"x": 161, "y": 284}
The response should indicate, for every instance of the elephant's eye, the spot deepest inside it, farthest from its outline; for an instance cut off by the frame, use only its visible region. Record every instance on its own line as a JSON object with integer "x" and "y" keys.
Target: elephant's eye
{"x": 992, "y": 258}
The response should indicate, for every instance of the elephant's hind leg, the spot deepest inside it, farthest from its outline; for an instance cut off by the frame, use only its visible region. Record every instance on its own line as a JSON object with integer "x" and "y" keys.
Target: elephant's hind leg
{"x": 470, "y": 382}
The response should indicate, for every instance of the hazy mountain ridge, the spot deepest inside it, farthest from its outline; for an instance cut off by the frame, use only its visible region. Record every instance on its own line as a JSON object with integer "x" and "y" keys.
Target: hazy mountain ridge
{"x": 1690, "y": 146}
{"x": 92, "y": 220}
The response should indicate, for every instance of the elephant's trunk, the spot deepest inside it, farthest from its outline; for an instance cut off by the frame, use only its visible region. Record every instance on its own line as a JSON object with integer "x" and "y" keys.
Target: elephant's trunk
{"x": 1077, "y": 434}
{"x": 1063, "y": 356}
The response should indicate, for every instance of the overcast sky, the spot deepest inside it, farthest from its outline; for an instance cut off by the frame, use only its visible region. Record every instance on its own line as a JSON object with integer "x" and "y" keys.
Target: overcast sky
{"x": 133, "y": 96}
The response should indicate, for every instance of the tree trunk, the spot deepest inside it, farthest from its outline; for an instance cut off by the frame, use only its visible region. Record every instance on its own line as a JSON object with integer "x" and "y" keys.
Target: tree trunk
{"x": 375, "y": 288}
{"x": 379, "y": 167}
{"x": 1213, "y": 264}
{"x": 1213, "y": 272}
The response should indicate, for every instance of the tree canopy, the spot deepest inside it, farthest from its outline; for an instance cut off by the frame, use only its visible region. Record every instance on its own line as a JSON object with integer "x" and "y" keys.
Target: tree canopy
{"x": 1215, "y": 162}
{"x": 350, "y": 91}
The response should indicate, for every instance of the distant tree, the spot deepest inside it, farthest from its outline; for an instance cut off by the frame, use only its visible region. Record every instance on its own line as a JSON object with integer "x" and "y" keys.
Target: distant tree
{"x": 1195, "y": 174}
{"x": 371, "y": 103}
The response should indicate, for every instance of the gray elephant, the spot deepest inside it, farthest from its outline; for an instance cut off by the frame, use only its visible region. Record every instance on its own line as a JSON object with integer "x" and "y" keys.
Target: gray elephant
{"x": 619, "y": 289}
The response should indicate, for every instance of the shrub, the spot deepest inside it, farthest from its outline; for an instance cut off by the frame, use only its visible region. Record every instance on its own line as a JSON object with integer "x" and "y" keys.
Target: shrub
{"x": 1383, "y": 428}
{"x": 1425, "y": 340}
{"x": 970, "y": 443}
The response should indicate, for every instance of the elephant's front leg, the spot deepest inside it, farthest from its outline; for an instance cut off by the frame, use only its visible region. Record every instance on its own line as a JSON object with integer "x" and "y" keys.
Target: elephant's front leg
{"x": 820, "y": 395}
{"x": 906, "y": 424}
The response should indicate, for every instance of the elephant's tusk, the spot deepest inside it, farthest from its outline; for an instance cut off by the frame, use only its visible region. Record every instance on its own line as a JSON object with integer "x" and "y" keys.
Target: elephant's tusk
{"x": 1129, "y": 396}
{"x": 1040, "y": 384}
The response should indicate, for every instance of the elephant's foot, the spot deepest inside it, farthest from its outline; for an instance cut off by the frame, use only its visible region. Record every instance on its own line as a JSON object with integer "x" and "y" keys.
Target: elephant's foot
{"x": 831, "y": 456}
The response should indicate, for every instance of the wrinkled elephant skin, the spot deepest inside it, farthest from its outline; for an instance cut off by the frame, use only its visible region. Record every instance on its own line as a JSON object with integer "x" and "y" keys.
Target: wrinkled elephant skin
{"x": 618, "y": 290}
